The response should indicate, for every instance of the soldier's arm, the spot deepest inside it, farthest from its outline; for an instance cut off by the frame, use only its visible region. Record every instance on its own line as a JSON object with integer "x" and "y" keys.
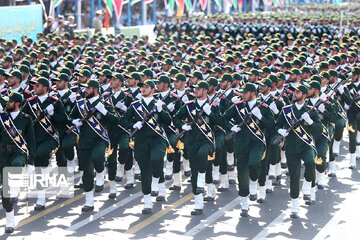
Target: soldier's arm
{"x": 215, "y": 117}
{"x": 317, "y": 126}
{"x": 280, "y": 121}
{"x": 330, "y": 113}
{"x": 111, "y": 117}
{"x": 74, "y": 114}
{"x": 164, "y": 117}
{"x": 228, "y": 116}
{"x": 128, "y": 119}
{"x": 60, "y": 115}
{"x": 346, "y": 97}
{"x": 179, "y": 116}
{"x": 267, "y": 119}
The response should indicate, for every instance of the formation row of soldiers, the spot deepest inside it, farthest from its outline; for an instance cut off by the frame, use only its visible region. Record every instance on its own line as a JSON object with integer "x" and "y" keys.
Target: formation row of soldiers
{"x": 215, "y": 104}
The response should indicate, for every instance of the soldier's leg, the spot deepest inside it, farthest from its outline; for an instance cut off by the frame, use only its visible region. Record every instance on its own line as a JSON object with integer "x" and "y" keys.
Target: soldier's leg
{"x": 87, "y": 177}
{"x": 186, "y": 161}
{"x": 256, "y": 153}
{"x": 308, "y": 156}
{"x": 243, "y": 180}
{"x": 157, "y": 155}
{"x": 43, "y": 154}
{"x": 112, "y": 161}
{"x": 322, "y": 146}
{"x": 142, "y": 153}
{"x": 68, "y": 144}
{"x": 352, "y": 142}
{"x": 338, "y": 134}
{"x": 176, "y": 171}
{"x": 98, "y": 159}
{"x": 170, "y": 157}
{"x": 210, "y": 187}
{"x": 294, "y": 165}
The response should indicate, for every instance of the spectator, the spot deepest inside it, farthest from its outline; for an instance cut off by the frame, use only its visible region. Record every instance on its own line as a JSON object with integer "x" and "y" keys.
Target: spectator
{"x": 97, "y": 22}
{"x": 50, "y": 26}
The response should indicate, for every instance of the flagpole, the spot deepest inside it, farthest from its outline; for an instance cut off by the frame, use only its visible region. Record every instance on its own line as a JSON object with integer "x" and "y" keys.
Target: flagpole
{"x": 142, "y": 12}
{"x": 129, "y": 14}
{"x": 92, "y": 10}
{"x": 154, "y": 12}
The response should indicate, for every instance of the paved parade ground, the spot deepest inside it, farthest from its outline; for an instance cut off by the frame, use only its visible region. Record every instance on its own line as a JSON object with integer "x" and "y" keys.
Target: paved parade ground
{"x": 334, "y": 216}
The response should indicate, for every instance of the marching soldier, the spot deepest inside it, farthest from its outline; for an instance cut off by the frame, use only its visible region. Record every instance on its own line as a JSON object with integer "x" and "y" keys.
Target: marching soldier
{"x": 92, "y": 117}
{"x": 150, "y": 142}
{"x": 197, "y": 119}
{"x": 17, "y": 146}
{"x": 299, "y": 143}
{"x": 49, "y": 115}
{"x": 251, "y": 121}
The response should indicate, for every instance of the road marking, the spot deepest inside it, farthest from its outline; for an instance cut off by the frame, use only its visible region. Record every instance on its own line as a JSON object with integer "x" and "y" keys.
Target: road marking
{"x": 266, "y": 230}
{"x": 212, "y": 218}
{"x": 103, "y": 212}
{"x": 158, "y": 215}
{"x": 49, "y": 210}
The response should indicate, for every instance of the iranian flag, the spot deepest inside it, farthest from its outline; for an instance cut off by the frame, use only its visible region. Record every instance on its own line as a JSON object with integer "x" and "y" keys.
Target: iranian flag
{"x": 145, "y": 1}
{"x": 219, "y": 4}
{"x": 180, "y": 4}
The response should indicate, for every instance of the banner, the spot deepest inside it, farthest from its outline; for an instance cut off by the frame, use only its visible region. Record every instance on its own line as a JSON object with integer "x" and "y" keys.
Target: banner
{"x": 21, "y": 20}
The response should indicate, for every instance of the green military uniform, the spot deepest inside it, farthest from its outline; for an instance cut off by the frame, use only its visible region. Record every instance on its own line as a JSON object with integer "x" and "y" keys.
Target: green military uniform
{"x": 199, "y": 140}
{"x": 150, "y": 141}
{"x": 11, "y": 155}
{"x": 300, "y": 148}
{"x": 93, "y": 139}
{"x": 250, "y": 143}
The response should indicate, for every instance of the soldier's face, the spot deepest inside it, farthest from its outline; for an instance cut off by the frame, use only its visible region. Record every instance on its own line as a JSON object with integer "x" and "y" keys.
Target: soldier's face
{"x": 264, "y": 89}
{"x": 147, "y": 91}
{"x": 200, "y": 92}
{"x": 115, "y": 83}
{"x": 39, "y": 89}
{"x": 355, "y": 78}
{"x": 131, "y": 82}
{"x": 179, "y": 84}
{"x": 60, "y": 85}
{"x": 89, "y": 92}
{"x": 246, "y": 96}
{"x": 311, "y": 92}
{"x": 12, "y": 81}
{"x": 161, "y": 87}
{"x": 10, "y": 106}
{"x": 298, "y": 96}
{"x": 224, "y": 85}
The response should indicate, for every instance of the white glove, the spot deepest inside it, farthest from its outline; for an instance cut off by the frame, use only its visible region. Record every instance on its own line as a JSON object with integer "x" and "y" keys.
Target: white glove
{"x": 321, "y": 108}
{"x": 257, "y": 113}
{"x": 307, "y": 118}
{"x": 185, "y": 99}
{"x": 138, "y": 125}
{"x": 159, "y": 105}
{"x": 101, "y": 108}
{"x": 323, "y": 97}
{"x": 50, "y": 109}
{"x": 1, "y": 108}
{"x": 235, "y": 99}
{"x": 186, "y": 127}
{"x": 30, "y": 169}
{"x": 274, "y": 108}
{"x": 207, "y": 108}
{"x": 346, "y": 106}
{"x": 341, "y": 89}
{"x": 77, "y": 123}
{"x": 171, "y": 107}
{"x": 235, "y": 129}
{"x": 283, "y": 132}
{"x": 121, "y": 105}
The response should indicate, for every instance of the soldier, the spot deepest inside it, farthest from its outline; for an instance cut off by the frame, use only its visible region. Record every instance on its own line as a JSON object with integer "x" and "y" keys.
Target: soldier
{"x": 299, "y": 143}
{"x": 93, "y": 117}
{"x": 49, "y": 115}
{"x": 17, "y": 146}
{"x": 148, "y": 117}
{"x": 353, "y": 114}
{"x": 200, "y": 137}
{"x": 251, "y": 120}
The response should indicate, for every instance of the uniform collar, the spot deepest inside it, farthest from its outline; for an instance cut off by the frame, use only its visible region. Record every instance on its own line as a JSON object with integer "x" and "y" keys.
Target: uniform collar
{"x": 62, "y": 92}
{"x": 314, "y": 100}
{"x": 16, "y": 89}
{"x": 252, "y": 103}
{"x": 2, "y": 86}
{"x": 43, "y": 97}
{"x": 14, "y": 114}
{"x": 147, "y": 100}
{"x": 116, "y": 94}
{"x": 105, "y": 86}
{"x": 164, "y": 94}
{"x": 201, "y": 102}
{"x": 299, "y": 106}
{"x": 93, "y": 99}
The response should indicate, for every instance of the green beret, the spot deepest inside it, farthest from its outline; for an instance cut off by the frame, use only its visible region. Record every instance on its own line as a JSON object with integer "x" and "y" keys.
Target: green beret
{"x": 355, "y": 71}
{"x": 273, "y": 78}
{"x": 198, "y": 75}
{"x": 315, "y": 84}
{"x": 317, "y": 77}
{"x": 118, "y": 76}
{"x": 302, "y": 88}
{"x": 135, "y": 75}
{"x": 180, "y": 77}
{"x": 324, "y": 75}
{"x": 248, "y": 87}
{"x": 212, "y": 81}
{"x": 43, "y": 81}
{"x": 227, "y": 77}
{"x": 333, "y": 73}
{"x": 62, "y": 77}
{"x": 202, "y": 84}
{"x": 14, "y": 97}
{"x": 266, "y": 82}
{"x": 164, "y": 78}
{"x": 150, "y": 83}
{"x": 91, "y": 83}
{"x": 295, "y": 71}
{"x": 16, "y": 73}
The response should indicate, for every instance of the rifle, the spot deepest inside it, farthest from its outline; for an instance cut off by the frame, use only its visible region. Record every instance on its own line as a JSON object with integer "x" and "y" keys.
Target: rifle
{"x": 145, "y": 119}
{"x": 44, "y": 112}
{"x": 280, "y": 140}
{"x": 92, "y": 111}
{"x": 229, "y": 135}
{"x": 181, "y": 134}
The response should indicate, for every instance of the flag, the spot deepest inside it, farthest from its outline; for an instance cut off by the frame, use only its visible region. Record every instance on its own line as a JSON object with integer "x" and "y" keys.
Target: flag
{"x": 136, "y": 1}
{"x": 219, "y": 3}
{"x": 57, "y": 3}
{"x": 118, "y": 5}
{"x": 109, "y": 7}
{"x": 180, "y": 4}
{"x": 170, "y": 7}
{"x": 203, "y": 4}
{"x": 188, "y": 5}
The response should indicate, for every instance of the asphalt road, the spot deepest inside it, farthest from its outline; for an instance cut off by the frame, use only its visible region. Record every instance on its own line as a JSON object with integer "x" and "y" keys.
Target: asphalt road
{"x": 336, "y": 214}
